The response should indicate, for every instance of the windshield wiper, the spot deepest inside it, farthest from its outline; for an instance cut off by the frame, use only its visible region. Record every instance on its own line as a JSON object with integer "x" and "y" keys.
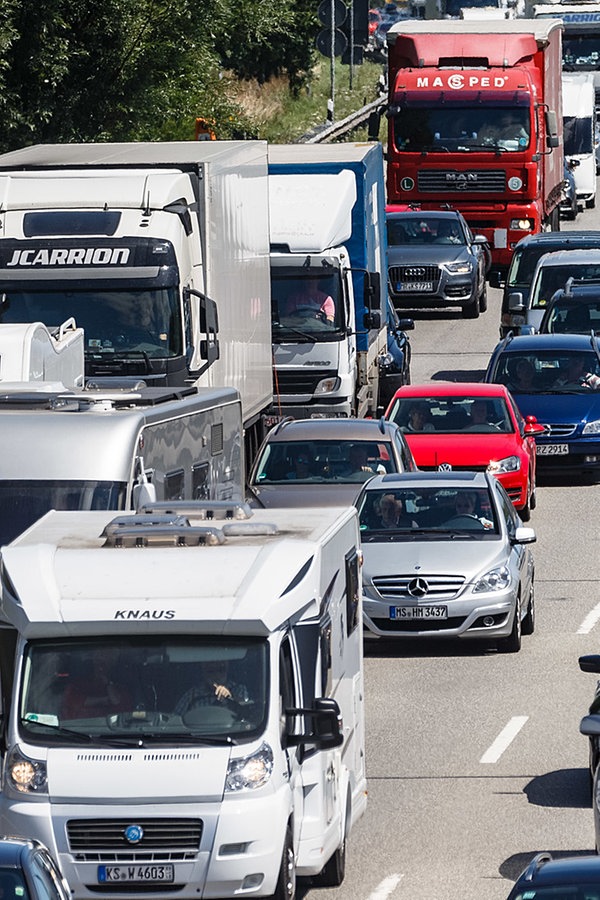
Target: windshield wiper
{"x": 190, "y": 737}
{"x": 301, "y": 334}
{"x": 82, "y": 736}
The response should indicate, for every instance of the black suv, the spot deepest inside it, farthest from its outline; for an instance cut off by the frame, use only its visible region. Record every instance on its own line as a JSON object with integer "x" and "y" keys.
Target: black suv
{"x": 544, "y": 877}
{"x": 575, "y": 309}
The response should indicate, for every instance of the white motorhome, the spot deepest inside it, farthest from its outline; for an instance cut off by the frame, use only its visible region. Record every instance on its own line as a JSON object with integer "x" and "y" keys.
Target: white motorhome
{"x": 100, "y": 449}
{"x": 579, "y": 123}
{"x": 136, "y": 790}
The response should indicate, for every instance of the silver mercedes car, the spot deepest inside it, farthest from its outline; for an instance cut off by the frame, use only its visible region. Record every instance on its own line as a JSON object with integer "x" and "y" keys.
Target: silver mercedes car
{"x": 445, "y": 555}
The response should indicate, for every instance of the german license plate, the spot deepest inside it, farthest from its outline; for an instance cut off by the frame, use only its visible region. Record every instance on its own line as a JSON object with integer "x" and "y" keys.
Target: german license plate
{"x": 416, "y": 286}
{"x": 552, "y": 449}
{"x": 113, "y": 874}
{"x": 418, "y": 612}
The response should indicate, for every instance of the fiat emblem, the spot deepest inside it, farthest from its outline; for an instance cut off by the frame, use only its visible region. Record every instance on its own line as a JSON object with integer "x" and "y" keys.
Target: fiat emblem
{"x": 134, "y": 834}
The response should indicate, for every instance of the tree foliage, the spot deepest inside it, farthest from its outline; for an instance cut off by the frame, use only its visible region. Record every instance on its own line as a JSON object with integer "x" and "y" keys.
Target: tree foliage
{"x": 79, "y": 70}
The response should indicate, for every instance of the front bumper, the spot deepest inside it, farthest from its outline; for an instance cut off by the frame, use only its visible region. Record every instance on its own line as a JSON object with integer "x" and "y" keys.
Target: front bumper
{"x": 447, "y": 290}
{"x": 582, "y": 456}
{"x": 465, "y": 617}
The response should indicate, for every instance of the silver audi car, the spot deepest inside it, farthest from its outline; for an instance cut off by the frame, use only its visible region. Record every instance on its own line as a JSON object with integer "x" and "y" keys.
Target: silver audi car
{"x": 445, "y": 555}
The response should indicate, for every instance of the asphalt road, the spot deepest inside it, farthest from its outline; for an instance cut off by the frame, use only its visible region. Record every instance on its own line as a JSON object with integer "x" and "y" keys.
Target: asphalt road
{"x": 474, "y": 758}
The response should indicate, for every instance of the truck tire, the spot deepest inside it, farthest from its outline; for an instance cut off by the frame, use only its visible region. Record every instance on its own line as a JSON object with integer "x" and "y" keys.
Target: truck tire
{"x": 286, "y": 880}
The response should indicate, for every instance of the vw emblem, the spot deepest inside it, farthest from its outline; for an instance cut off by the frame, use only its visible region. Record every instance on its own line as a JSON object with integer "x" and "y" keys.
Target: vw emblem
{"x": 134, "y": 834}
{"x": 418, "y": 587}
{"x": 445, "y": 467}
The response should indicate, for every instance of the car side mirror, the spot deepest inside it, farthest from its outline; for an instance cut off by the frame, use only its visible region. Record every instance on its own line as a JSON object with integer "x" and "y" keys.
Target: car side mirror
{"x": 406, "y": 324}
{"x": 480, "y": 239}
{"x": 590, "y": 662}
{"x": 524, "y": 535}
{"x": 590, "y": 725}
{"x": 515, "y": 302}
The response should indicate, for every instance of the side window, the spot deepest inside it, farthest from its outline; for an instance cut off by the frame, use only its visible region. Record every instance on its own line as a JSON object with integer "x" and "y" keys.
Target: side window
{"x": 406, "y": 457}
{"x": 200, "y": 482}
{"x": 325, "y": 647}
{"x": 507, "y": 510}
{"x": 287, "y": 690}
{"x": 352, "y": 590}
{"x": 174, "y": 485}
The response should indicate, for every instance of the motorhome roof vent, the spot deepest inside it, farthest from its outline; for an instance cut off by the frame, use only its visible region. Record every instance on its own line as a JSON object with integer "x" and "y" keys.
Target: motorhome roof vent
{"x": 159, "y": 531}
{"x": 249, "y": 529}
{"x": 205, "y": 510}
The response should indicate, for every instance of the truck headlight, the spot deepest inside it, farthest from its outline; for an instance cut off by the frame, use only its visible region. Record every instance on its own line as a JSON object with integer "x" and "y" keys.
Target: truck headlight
{"x": 28, "y": 776}
{"x": 250, "y": 772}
{"x": 459, "y": 268}
{"x": 508, "y": 464}
{"x": 327, "y": 385}
{"x": 495, "y": 580}
{"x": 592, "y": 427}
{"x": 522, "y": 225}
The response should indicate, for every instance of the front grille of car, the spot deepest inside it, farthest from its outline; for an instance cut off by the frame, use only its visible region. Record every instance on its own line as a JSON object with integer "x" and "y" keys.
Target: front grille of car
{"x": 414, "y": 274}
{"x": 560, "y": 430}
{"x": 169, "y": 839}
{"x": 418, "y": 624}
{"x": 395, "y": 587}
{"x": 299, "y": 381}
{"x": 451, "y": 181}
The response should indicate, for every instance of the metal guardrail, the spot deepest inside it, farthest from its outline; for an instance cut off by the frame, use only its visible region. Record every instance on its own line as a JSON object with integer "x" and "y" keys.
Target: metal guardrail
{"x": 321, "y": 134}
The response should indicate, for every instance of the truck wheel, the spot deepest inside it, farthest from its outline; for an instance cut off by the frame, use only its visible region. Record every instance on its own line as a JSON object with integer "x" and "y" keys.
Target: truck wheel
{"x": 472, "y": 310}
{"x": 286, "y": 881}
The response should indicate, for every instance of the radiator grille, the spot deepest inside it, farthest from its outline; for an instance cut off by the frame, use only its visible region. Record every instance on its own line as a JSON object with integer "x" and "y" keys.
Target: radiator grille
{"x": 98, "y": 835}
{"x": 395, "y": 587}
{"x": 300, "y": 382}
{"x": 414, "y": 274}
{"x": 451, "y": 181}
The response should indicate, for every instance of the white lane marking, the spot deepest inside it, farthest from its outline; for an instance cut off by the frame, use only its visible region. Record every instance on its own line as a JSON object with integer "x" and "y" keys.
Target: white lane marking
{"x": 504, "y": 739}
{"x": 590, "y": 620}
{"x": 386, "y": 887}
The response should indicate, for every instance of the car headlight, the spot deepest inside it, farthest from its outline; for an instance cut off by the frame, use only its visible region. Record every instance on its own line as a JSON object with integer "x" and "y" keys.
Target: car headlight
{"x": 250, "y": 772}
{"x": 497, "y": 579}
{"x": 522, "y": 224}
{"x": 28, "y": 776}
{"x": 459, "y": 268}
{"x": 508, "y": 464}
{"x": 592, "y": 427}
{"x": 327, "y": 385}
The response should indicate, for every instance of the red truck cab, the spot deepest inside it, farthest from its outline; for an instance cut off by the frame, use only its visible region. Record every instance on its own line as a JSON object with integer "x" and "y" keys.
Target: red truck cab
{"x": 475, "y": 123}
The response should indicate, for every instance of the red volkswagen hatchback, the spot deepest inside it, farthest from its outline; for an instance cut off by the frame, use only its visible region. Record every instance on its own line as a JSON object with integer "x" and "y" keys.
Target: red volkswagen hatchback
{"x": 470, "y": 426}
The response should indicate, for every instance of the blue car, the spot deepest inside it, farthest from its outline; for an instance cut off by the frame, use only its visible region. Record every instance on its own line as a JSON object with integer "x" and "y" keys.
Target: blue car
{"x": 556, "y": 379}
{"x": 545, "y": 878}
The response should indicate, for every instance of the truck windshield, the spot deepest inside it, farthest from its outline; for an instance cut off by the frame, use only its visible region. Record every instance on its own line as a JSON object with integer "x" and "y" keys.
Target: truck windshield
{"x": 306, "y": 303}
{"x": 143, "y": 688}
{"x": 115, "y": 321}
{"x": 24, "y": 502}
{"x": 461, "y": 129}
{"x": 581, "y": 51}
{"x": 578, "y": 135}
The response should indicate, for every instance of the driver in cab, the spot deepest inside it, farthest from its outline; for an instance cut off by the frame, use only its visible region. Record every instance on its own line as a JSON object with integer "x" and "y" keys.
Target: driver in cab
{"x": 310, "y": 297}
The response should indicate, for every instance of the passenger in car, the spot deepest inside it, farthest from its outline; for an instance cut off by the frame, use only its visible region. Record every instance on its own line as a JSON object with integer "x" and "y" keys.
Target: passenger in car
{"x": 418, "y": 418}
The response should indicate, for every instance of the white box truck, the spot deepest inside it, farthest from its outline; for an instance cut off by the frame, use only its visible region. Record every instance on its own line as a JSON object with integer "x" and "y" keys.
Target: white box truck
{"x": 182, "y": 697}
{"x": 579, "y": 130}
{"x": 160, "y": 251}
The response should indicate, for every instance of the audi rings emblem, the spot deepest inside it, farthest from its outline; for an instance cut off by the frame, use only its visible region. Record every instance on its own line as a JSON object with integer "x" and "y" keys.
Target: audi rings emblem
{"x": 418, "y": 587}
{"x": 445, "y": 467}
{"x": 415, "y": 272}
{"x": 133, "y": 834}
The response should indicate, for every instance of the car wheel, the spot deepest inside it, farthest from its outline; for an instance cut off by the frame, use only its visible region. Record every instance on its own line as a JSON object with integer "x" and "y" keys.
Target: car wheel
{"x": 286, "y": 881}
{"x": 512, "y": 643}
{"x": 528, "y": 623}
{"x": 591, "y": 203}
{"x": 483, "y": 298}
{"x": 525, "y": 513}
{"x": 472, "y": 310}
{"x": 533, "y": 500}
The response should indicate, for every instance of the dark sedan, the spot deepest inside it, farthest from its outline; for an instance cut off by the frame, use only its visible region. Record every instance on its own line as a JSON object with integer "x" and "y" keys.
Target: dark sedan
{"x": 28, "y": 872}
{"x": 435, "y": 261}
{"x": 556, "y": 378}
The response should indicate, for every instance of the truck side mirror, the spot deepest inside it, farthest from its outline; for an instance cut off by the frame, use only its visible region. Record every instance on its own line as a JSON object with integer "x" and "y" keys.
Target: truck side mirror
{"x": 371, "y": 289}
{"x": 326, "y": 731}
{"x": 372, "y": 320}
{"x": 208, "y": 324}
{"x": 551, "y": 129}
{"x": 515, "y": 302}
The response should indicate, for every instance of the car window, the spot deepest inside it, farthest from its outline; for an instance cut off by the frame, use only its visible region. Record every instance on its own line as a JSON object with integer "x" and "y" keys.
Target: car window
{"x": 550, "y": 279}
{"x": 448, "y": 415}
{"x": 425, "y": 229}
{"x": 434, "y": 511}
{"x": 524, "y": 262}
{"x": 334, "y": 460}
{"x": 566, "y": 317}
{"x": 553, "y": 371}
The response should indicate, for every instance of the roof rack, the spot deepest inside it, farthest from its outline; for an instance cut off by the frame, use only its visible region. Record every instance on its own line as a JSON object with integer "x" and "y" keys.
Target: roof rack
{"x": 536, "y": 864}
{"x": 159, "y": 531}
{"x": 198, "y": 509}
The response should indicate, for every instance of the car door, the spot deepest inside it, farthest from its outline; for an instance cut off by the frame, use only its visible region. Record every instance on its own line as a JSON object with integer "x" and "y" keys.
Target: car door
{"x": 520, "y": 560}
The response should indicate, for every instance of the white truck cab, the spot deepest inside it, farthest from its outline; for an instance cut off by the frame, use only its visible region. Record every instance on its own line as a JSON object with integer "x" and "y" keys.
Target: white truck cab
{"x": 182, "y": 695}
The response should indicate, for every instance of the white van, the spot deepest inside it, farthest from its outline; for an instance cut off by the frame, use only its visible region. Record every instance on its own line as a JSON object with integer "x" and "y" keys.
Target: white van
{"x": 579, "y": 124}
{"x": 182, "y": 698}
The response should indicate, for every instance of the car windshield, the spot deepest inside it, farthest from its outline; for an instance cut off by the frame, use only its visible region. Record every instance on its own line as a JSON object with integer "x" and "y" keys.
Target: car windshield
{"x": 548, "y": 371}
{"x": 143, "y": 688}
{"x": 443, "y": 127}
{"x": 550, "y": 279}
{"x": 565, "y": 317}
{"x": 24, "y": 502}
{"x": 405, "y": 231}
{"x": 448, "y": 415}
{"x": 524, "y": 262}
{"x": 312, "y": 462}
{"x": 436, "y": 511}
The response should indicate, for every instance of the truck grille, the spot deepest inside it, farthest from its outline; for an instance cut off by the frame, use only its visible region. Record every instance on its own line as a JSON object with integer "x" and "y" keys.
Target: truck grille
{"x": 95, "y": 839}
{"x": 300, "y": 381}
{"x": 395, "y": 587}
{"x": 415, "y": 274}
{"x": 450, "y": 181}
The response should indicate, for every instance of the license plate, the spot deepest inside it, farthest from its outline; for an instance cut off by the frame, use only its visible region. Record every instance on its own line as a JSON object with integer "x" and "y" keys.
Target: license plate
{"x": 552, "y": 449}
{"x": 418, "y": 612}
{"x": 415, "y": 286}
{"x": 112, "y": 874}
